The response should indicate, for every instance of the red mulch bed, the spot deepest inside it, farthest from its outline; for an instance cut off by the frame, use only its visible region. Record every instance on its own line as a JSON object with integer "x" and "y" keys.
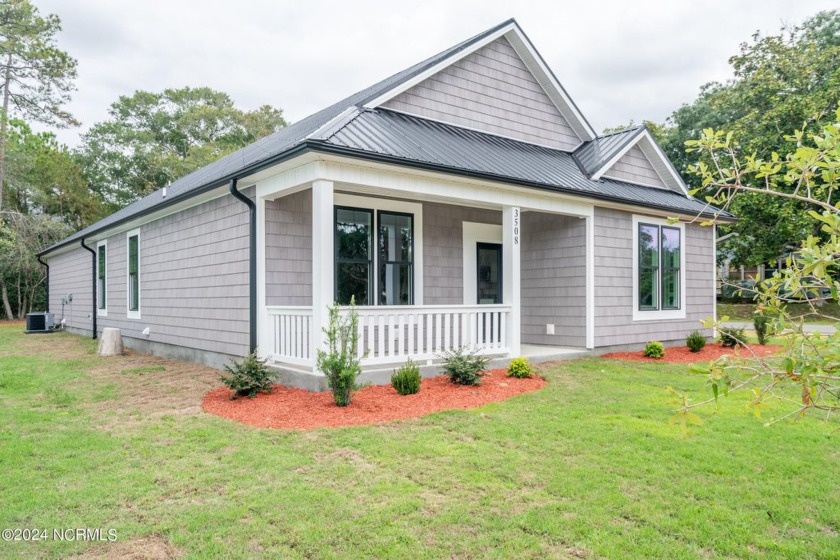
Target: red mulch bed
{"x": 682, "y": 355}
{"x": 299, "y": 409}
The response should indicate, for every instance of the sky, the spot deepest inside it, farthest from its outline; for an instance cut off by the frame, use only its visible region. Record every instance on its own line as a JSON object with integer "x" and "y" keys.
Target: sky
{"x": 620, "y": 60}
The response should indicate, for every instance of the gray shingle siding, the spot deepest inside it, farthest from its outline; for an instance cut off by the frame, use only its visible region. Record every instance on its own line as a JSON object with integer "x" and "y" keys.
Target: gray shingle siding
{"x": 490, "y": 90}
{"x": 288, "y": 249}
{"x": 553, "y": 279}
{"x": 635, "y": 167}
{"x": 193, "y": 280}
{"x": 443, "y": 250}
{"x": 70, "y": 273}
{"x": 614, "y": 323}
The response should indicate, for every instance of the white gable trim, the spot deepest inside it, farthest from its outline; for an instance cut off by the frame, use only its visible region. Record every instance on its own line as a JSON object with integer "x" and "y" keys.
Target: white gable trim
{"x": 532, "y": 60}
{"x": 657, "y": 159}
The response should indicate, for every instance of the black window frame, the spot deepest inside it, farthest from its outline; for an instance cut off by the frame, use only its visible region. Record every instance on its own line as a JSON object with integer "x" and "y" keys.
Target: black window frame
{"x": 102, "y": 277}
{"x": 375, "y": 262}
{"x": 133, "y": 287}
{"x": 369, "y": 261}
{"x": 380, "y": 262}
{"x": 660, "y": 268}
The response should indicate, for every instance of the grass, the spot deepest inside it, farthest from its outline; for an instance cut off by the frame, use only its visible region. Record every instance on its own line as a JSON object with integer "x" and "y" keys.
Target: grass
{"x": 587, "y": 468}
{"x": 744, "y": 312}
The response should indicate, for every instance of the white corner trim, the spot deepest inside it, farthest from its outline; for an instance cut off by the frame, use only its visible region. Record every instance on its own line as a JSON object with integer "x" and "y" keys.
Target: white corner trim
{"x": 101, "y": 312}
{"x": 264, "y": 343}
{"x": 388, "y": 205}
{"x": 657, "y": 314}
{"x": 650, "y": 148}
{"x": 129, "y": 313}
{"x": 590, "y": 282}
{"x": 474, "y": 233}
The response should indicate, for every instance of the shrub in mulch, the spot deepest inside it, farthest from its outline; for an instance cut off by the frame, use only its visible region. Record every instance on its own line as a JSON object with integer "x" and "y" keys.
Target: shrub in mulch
{"x": 299, "y": 409}
{"x": 684, "y": 355}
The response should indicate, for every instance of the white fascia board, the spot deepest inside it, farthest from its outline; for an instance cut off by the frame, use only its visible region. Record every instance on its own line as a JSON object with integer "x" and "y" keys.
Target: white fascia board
{"x": 653, "y": 152}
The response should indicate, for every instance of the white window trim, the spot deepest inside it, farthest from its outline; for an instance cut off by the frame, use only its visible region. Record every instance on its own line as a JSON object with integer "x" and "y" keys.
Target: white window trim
{"x": 101, "y": 312}
{"x": 657, "y": 314}
{"x": 128, "y": 312}
{"x": 377, "y": 204}
{"x": 474, "y": 233}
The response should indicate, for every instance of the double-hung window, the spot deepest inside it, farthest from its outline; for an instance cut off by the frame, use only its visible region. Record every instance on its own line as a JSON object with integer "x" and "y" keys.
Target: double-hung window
{"x": 102, "y": 278}
{"x": 659, "y": 258}
{"x": 133, "y": 273}
{"x": 374, "y": 257}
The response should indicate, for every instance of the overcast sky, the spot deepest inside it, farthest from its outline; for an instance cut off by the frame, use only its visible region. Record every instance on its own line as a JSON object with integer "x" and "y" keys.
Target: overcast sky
{"x": 618, "y": 59}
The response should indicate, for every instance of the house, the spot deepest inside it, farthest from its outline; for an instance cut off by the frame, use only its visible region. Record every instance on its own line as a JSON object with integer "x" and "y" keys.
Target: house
{"x": 463, "y": 201}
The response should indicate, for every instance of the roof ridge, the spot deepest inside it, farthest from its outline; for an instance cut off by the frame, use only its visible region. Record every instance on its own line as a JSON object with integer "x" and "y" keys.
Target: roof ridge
{"x": 622, "y": 131}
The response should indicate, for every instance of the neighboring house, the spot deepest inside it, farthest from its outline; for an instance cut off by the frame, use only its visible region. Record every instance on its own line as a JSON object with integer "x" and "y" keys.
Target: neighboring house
{"x": 463, "y": 201}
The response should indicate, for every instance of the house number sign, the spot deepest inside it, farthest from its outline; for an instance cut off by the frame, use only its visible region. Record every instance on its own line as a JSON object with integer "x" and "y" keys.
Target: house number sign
{"x": 516, "y": 226}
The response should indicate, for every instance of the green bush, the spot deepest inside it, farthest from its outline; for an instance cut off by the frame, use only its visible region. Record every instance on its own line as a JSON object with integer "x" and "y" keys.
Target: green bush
{"x": 695, "y": 341}
{"x": 406, "y": 379}
{"x": 340, "y": 364}
{"x": 247, "y": 378}
{"x": 762, "y": 327}
{"x": 464, "y": 366}
{"x": 520, "y": 368}
{"x": 654, "y": 350}
{"x": 731, "y": 337}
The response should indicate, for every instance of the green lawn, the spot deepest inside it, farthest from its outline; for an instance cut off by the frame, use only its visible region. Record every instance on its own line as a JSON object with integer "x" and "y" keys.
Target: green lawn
{"x": 744, "y": 312}
{"x": 586, "y": 468}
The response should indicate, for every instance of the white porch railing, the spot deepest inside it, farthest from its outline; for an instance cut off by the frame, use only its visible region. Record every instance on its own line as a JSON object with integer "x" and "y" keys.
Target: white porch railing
{"x": 291, "y": 335}
{"x": 389, "y": 334}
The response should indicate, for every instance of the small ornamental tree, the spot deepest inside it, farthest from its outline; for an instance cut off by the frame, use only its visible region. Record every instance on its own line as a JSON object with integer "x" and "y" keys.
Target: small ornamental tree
{"x": 339, "y": 363}
{"x": 806, "y": 375}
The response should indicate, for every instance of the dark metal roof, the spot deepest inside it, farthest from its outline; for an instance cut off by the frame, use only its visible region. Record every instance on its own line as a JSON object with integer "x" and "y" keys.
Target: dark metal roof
{"x": 409, "y": 140}
{"x": 593, "y": 155}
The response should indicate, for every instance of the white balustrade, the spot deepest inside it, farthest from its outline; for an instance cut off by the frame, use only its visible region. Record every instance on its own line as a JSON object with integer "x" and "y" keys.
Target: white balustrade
{"x": 391, "y": 334}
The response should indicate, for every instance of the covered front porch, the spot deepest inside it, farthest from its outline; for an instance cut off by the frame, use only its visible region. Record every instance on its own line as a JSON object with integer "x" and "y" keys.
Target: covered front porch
{"x": 432, "y": 265}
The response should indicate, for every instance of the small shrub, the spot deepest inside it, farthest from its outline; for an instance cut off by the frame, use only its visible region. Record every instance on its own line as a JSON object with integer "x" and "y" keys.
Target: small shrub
{"x": 464, "y": 366}
{"x": 406, "y": 379}
{"x": 731, "y": 337}
{"x": 695, "y": 341}
{"x": 339, "y": 363}
{"x": 520, "y": 368}
{"x": 654, "y": 350}
{"x": 762, "y": 327}
{"x": 247, "y": 378}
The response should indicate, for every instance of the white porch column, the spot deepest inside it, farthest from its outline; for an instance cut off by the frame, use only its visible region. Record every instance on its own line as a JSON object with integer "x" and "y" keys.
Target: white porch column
{"x": 323, "y": 261}
{"x": 511, "y": 240}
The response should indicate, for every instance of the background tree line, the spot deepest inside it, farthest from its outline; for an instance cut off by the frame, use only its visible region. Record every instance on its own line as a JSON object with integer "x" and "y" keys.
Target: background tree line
{"x": 780, "y": 83}
{"x": 47, "y": 190}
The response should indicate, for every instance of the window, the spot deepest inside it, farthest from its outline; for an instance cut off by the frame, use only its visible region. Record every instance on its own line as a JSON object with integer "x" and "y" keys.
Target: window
{"x": 659, "y": 263}
{"x": 356, "y": 235}
{"x": 133, "y": 310}
{"x": 353, "y": 255}
{"x": 102, "y": 278}
{"x": 396, "y": 245}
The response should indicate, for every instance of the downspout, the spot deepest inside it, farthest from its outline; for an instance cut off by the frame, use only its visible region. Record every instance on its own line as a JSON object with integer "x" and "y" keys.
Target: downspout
{"x": 47, "y": 289}
{"x": 93, "y": 285}
{"x": 252, "y": 267}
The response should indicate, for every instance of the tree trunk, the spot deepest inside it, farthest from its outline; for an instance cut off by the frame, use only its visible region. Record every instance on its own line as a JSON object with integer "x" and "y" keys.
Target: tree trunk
{"x": 7, "y": 307}
{"x": 4, "y": 122}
